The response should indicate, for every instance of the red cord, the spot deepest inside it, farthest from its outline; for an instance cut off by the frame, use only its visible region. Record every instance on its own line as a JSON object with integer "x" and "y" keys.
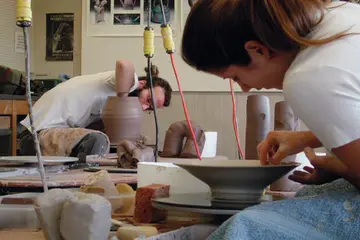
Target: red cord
{"x": 236, "y": 130}
{"x": 184, "y": 106}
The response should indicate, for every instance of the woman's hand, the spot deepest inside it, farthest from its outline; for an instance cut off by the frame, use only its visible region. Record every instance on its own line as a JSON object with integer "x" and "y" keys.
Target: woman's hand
{"x": 280, "y": 144}
{"x": 326, "y": 169}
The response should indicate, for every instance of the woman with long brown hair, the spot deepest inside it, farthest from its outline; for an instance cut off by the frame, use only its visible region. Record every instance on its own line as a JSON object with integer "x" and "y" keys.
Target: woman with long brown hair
{"x": 311, "y": 50}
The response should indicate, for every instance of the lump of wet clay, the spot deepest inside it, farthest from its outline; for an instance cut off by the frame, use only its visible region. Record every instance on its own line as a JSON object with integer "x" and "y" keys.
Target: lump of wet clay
{"x": 175, "y": 135}
{"x": 86, "y": 217}
{"x": 48, "y": 207}
{"x": 144, "y": 211}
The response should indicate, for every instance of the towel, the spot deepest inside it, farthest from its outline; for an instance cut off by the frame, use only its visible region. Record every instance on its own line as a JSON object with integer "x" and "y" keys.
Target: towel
{"x": 130, "y": 153}
{"x": 61, "y": 141}
{"x": 329, "y": 211}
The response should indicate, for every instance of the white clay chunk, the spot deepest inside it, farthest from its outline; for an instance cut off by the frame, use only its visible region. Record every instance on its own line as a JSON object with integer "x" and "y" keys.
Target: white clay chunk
{"x": 86, "y": 217}
{"x": 48, "y": 207}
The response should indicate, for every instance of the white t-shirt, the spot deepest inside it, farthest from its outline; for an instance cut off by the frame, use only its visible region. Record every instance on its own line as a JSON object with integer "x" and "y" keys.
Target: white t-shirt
{"x": 323, "y": 83}
{"x": 77, "y": 102}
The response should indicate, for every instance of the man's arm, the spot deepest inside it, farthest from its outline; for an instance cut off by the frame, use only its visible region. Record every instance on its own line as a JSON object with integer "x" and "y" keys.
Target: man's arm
{"x": 124, "y": 77}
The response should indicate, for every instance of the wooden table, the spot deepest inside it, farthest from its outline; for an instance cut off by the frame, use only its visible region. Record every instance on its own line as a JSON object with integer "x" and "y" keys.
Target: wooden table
{"x": 25, "y": 234}
{"x": 13, "y": 108}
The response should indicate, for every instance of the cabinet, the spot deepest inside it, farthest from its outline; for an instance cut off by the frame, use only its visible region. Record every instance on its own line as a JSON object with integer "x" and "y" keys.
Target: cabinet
{"x": 12, "y": 108}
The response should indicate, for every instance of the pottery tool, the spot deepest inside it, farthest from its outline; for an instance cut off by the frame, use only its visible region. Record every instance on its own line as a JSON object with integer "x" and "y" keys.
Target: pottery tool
{"x": 169, "y": 46}
{"x": 24, "y": 20}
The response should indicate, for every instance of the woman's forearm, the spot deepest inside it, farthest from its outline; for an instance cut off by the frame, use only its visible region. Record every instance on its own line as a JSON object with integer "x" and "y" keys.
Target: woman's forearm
{"x": 124, "y": 77}
{"x": 311, "y": 140}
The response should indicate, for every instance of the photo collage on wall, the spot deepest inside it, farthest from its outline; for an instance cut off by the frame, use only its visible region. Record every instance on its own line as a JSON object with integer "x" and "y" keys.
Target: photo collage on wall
{"x": 128, "y": 17}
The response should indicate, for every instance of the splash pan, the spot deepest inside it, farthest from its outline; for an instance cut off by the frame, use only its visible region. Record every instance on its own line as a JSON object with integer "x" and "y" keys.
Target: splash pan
{"x": 236, "y": 180}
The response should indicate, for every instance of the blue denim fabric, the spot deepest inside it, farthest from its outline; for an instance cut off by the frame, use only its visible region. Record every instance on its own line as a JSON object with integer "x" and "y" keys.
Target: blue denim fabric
{"x": 329, "y": 211}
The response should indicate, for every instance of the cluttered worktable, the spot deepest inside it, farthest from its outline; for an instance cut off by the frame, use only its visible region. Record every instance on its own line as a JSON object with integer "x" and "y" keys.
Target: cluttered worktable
{"x": 67, "y": 179}
{"x": 58, "y": 176}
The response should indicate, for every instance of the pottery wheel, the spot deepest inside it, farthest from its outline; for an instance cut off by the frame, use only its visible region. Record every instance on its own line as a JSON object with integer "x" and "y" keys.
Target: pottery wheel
{"x": 200, "y": 203}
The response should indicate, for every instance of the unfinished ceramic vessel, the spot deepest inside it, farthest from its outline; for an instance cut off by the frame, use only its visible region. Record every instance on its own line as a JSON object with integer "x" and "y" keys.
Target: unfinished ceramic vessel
{"x": 236, "y": 181}
{"x": 285, "y": 120}
{"x": 257, "y": 123}
{"x": 174, "y": 139}
{"x": 122, "y": 117}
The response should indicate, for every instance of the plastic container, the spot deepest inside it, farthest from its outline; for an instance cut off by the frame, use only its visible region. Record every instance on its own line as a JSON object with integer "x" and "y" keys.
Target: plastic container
{"x": 14, "y": 216}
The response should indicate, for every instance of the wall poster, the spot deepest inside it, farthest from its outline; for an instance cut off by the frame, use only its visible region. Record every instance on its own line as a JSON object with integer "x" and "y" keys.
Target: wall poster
{"x": 59, "y": 36}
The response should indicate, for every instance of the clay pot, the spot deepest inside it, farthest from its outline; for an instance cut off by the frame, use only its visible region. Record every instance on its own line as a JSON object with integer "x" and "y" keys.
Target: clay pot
{"x": 122, "y": 117}
{"x": 257, "y": 124}
{"x": 285, "y": 120}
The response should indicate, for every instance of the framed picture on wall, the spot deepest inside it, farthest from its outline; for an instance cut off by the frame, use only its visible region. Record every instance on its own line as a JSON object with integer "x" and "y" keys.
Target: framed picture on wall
{"x": 127, "y": 12}
{"x": 156, "y": 16}
{"x": 131, "y": 5}
{"x": 119, "y": 18}
{"x": 128, "y": 17}
{"x": 59, "y": 36}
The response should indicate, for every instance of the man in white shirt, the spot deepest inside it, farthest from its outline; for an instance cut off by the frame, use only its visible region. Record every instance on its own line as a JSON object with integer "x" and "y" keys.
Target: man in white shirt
{"x": 78, "y": 104}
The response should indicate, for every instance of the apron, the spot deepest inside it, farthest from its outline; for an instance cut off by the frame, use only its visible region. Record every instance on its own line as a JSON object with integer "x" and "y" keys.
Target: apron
{"x": 61, "y": 141}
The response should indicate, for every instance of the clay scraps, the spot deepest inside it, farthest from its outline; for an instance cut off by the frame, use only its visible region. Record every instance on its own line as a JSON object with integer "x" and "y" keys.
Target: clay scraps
{"x": 132, "y": 152}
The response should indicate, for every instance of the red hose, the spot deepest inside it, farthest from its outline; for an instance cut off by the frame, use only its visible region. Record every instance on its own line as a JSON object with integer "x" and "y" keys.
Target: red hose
{"x": 236, "y": 130}
{"x": 184, "y": 106}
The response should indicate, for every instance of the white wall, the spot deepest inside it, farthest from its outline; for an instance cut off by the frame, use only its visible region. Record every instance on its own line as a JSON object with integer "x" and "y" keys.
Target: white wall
{"x": 51, "y": 68}
{"x": 100, "y": 52}
{"x": 8, "y": 57}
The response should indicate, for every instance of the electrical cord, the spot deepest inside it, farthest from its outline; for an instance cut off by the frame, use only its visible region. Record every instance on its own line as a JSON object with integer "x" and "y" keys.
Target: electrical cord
{"x": 235, "y": 120}
{"x": 169, "y": 46}
{"x": 149, "y": 53}
{"x": 23, "y": 20}
{"x": 163, "y": 12}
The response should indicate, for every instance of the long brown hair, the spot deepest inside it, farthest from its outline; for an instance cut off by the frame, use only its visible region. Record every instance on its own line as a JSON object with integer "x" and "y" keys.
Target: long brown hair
{"x": 217, "y": 30}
